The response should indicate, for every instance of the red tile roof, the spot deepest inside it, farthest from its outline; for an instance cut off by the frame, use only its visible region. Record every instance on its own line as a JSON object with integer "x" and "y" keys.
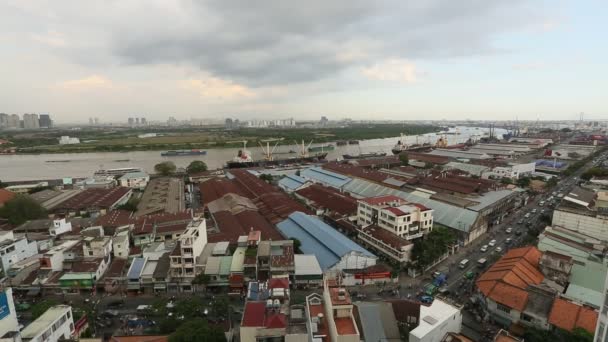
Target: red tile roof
{"x": 276, "y": 321}
{"x": 252, "y": 184}
{"x": 277, "y": 206}
{"x": 255, "y": 315}
{"x": 386, "y": 237}
{"x": 506, "y": 281}
{"x": 93, "y": 199}
{"x": 382, "y": 199}
{"x": 397, "y": 211}
{"x": 278, "y": 283}
{"x": 568, "y": 315}
{"x": 5, "y": 196}
{"x": 116, "y": 268}
{"x": 115, "y": 218}
{"x": 232, "y": 226}
{"x": 424, "y": 157}
{"x": 329, "y": 198}
{"x": 218, "y": 187}
{"x": 360, "y": 172}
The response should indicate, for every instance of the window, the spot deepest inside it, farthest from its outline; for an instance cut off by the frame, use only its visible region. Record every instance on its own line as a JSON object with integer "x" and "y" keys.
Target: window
{"x": 90, "y": 253}
{"x": 503, "y": 308}
{"x": 526, "y": 318}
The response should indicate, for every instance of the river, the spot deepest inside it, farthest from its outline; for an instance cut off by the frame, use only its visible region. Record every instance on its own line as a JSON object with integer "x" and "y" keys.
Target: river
{"x": 36, "y": 167}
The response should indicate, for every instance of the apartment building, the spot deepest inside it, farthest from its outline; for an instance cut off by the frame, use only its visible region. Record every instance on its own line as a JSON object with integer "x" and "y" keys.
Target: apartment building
{"x": 184, "y": 256}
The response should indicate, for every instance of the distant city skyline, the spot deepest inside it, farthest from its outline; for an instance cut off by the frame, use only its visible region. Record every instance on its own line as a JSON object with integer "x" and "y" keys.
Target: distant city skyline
{"x": 358, "y": 59}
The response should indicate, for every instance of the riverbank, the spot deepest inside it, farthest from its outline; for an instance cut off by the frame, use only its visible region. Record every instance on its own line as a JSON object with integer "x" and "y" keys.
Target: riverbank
{"x": 128, "y": 141}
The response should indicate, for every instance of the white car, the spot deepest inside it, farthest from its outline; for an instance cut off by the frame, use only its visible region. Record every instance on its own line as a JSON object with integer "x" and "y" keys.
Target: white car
{"x": 484, "y": 248}
{"x": 509, "y": 230}
{"x": 498, "y": 249}
{"x": 492, "y": 243}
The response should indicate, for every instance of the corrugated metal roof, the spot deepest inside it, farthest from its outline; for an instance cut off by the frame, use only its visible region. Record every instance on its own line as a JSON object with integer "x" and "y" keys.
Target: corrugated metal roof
{"x": 136, "y": 268}
{"x": 213, "y": 265}
{"x": 225, "y": 264}
{"x": 490, "y": 198}
{"x": 320, "y": 239}
{"x": 238, "y": 258}
{"x": 459, "y": 154}
{"x": 327, "y": 177}
{"x": 470, "y": 168}
{"x": 307, "y": 265}
{"x": 371, "y": 323}
{"x": 448, "y": 215}
{"x": 292, "y": 182}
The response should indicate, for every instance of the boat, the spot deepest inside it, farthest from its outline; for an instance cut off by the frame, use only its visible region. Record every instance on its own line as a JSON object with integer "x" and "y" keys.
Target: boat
{"x": 402, "y": 146}
{"x": 243, "y": 158}
{"x": 342, "y": 142}
{"x": 353, "y": 142}
{"x": 364, "y": 155}
{"x": 174, "y": 153}
{"x": 58, "y": 161}
{"x": 117, "y": 172}
{"x": 122, "y": 160}
{"x": 328, "y": 147}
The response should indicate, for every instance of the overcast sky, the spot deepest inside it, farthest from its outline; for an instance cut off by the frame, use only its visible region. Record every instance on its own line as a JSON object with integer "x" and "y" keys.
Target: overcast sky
{"x": 431, "y": 59}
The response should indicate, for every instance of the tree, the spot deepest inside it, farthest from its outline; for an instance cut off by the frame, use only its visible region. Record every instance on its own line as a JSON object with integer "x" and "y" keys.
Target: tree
{"x": 196, "y": 167}
{"x": 3, "y": 185}
{"x": 551, "y": 182}
{"x": 131, "y": 204}
{"x": 39, "y": 308}
{"x": 296, "y": 244}
{"x": 21, "y": 209}
{"x": 432, "y": 246}
{"x": 506, "y": 180}
{"x": 197, "y": 330}
{"x": 566, "y": 130}
{"x": 165, "y": 168}
{"x": 405, "y": 161}
{"x": 266, "y": 177}
{"x": 523, "y": 182}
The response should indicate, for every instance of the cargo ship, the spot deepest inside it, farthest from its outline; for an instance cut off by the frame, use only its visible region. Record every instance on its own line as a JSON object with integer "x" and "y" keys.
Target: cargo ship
{"x": 177, "y": 153}
{"x": 364, "y": 155}
{"x": 243, "y": 158}
{"x": 117, "y": 172}
{"x": 402, "y": 146}
{"x": 322, "y": 148}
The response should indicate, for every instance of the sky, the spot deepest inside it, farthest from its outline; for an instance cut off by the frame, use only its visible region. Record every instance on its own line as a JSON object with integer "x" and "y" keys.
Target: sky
{"x": 359, "y": 59}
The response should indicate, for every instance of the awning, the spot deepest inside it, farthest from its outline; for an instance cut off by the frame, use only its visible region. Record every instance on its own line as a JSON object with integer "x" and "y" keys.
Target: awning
{"x": 160, "y": 286}
{"x": 34, "y": 291}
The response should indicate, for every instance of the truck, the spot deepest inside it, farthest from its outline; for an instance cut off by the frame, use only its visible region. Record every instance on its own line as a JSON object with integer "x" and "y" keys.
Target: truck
{"x": 440, "y": 279}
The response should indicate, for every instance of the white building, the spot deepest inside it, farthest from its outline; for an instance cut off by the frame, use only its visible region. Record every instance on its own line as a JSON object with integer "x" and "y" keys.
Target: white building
{"x": 183, "y": 258}
{"x": 54, "y": 257}
{"x": 135, "y": 180}
{"x": 56, "y": 324}
{"x": 8, "y": 314}
{"x": 585, "y": 212}
{"x": 436, "y": 321}
{"x": 97, "y": 247}
{"x": 14, "y": 250}
{"x": 66, "y": 140}
{"x": 120, "y": 242}
{"x": 513, "y": 171}
{"x": 404, "y": 219}
{"x": 60, "y": 227}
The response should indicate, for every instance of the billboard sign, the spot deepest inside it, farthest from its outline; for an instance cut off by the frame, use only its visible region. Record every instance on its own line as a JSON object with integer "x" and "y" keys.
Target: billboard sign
{"x": 4, "y": 308}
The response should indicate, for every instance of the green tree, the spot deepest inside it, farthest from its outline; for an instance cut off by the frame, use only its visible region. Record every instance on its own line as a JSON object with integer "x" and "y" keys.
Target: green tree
{"x": 196, "y": 167}
{"x": 506, "y": 180}
{"x": 403, "y": 157}
{"x": 3, "y": 185}
{"x": 594, "y": 172}
{"x": 432, "y": 246}
{"x": 197, "y": 330}
{"x": 131, "y": 204}
{"x": 21, "y": 209}
{"x": 523, "y": 182}
{"x": 296, "y": 244}
{"x": 551, "y": 182}
{"x": 165, "y": 168}
{"x": 39, "y": 308}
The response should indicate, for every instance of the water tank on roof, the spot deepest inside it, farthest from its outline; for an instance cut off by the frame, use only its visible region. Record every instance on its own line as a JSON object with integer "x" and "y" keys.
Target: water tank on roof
{"x": 277, "y": 303}
{"x": 269, "y": 304}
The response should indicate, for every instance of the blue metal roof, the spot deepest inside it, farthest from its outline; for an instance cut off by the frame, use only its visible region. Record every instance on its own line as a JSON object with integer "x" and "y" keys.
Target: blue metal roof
{"x": 320, "y": 239}
{"x": 136, "y": 268}
{"x": 292, "y": 182}
{"x": 320, "y": 175}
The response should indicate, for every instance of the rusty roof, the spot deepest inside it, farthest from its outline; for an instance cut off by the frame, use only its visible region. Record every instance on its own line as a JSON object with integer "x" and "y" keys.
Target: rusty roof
{"x": 568, "y": 315}
{"x": 94, "y": 198}
{"x": 329, "y": 198}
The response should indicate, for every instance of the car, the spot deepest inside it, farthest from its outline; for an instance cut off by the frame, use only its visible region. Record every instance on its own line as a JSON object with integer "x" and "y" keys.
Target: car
{"x": 484, "y": 248}
{"x": 469, "y": 275}
{"x": 492, "y": 243}
{"x": 436, "y": 274}
{"x": 508, "y": 241}
{"x": 498, "y": 249}
{"x": 517, "y": 232}
{"x": 520, "y": 222}
{"x": 426, "y": 299}
{"x": 509, "y": 230}
{"x": 534, "y": 211}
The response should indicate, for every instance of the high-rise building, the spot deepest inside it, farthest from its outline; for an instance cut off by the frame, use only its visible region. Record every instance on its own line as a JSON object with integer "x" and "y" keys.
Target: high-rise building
{"x": 137, "y": 121}
{"x": 96, "y": 121}
{"x": 14, "y": 121}
{"x": 45, "y": 121}
{"x": 91, "y": 122}
{"x": 30, "y": 121}
{"x": 143, "y": 121}
{"x": 3, "y": 120}
{"x": 131, "y": 121}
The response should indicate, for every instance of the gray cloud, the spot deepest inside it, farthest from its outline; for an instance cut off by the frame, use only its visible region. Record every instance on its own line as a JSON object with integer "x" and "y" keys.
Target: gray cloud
{"x": 279, "y": 42}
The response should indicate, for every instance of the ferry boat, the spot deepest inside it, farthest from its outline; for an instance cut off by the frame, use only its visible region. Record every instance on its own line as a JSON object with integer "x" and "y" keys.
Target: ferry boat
{"x": 174, "y": 153}
{"x": 117, "y": 172}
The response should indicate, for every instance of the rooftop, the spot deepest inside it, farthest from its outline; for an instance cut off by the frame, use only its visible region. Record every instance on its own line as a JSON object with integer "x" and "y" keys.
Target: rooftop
{"x": 324, "y": 176}
{"x": 43, "y": 322}
{"x": 506, "y": 281}
{"x": 379, "y": 200}
{"x": 94, "y": 198}
{"x": 292, "y": 182}
{"x": 318, "y": 238}
{"x": 162, "y": 195}
{"x": 307, "y": 264}
{"x": 134, "y": 175}
{"x": 568, "y": 315}
{"x": 328, "y": 198}
{"x": 386, "y": 237}
{"x": 433, "y": 316}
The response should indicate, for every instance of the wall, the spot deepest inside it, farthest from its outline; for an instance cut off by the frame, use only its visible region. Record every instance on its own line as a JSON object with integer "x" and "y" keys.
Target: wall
{"x": 19, "y": 250}
{"x": 8, "y": 315}
{"x": 353, "y": 261}
{"x": 451, "y": 324}
{"x": 513, "y": 316}
{"x": 592, "y": 226}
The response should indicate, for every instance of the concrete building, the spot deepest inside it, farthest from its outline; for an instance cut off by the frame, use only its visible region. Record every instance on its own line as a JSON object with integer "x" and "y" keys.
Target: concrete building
{"x": 308, "y": 272}
{"x": 513, "y": 171}
{"x": 59, "y": 227}
{"x": 436, "y": 321}
{"x": 164, "y": 194}
{"x": 56, "y": 324}
{"x": 8, "y": 315}
{"x": 184, "y": 257}
{"x": 4, "y": 120}
{"x": 14, "y": 121}
{"x": 25, "y": 188}
{"x": 135, "y": 180}
{"x": 14, "y": 250}
{"x": 585, "y": 212}
{"x": 394, "y": 214}
{"x": 458, "y": 154}
{"x": 31, "y": 121}
{"x": 601, "y": 329}
{"x": 66, "y": 140}
{"x": 45, "y": 121}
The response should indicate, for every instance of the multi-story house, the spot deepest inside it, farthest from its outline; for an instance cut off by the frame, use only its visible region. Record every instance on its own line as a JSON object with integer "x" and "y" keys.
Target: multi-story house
{"x": 402, "y": 218}
{"x": 14, "y": 250}
{"x": 183, "y": 259}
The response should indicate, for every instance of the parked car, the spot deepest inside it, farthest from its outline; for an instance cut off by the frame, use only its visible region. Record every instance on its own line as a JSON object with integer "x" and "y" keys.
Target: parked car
{"x": 426, "y": 299}
{"x": 508, "y": 241}
{"x": 469, "y": 275}
{"x": 509, "y": 230}
{"x": 492, "y": 243}
{"x": 517, "y": 232}
{"x": 484, "y": 248}
{"x": 498, "y": 249}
